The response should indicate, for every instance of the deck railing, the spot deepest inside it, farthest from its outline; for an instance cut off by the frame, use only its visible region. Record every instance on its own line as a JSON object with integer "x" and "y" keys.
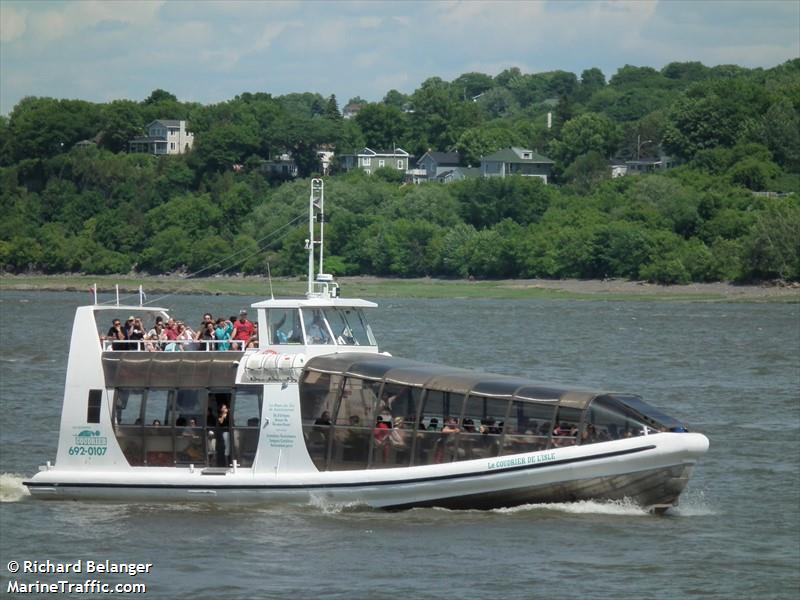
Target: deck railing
{"x": 111, "y": 345}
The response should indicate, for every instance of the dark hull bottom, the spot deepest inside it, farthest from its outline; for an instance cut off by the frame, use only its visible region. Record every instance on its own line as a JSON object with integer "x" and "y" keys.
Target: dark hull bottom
{"x": 658, "y": 488}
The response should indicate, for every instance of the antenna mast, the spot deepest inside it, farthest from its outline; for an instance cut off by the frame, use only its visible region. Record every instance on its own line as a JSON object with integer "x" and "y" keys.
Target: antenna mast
{"x": 323, "y": 285}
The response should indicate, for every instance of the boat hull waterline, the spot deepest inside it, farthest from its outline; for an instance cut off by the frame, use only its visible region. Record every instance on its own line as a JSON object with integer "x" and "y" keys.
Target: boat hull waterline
{"x": 649, "y": 470}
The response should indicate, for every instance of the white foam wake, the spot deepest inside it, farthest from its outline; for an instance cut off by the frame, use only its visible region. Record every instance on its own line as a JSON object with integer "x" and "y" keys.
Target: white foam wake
{"x": 11, "y": 488}
{"x": 584, "y": 507}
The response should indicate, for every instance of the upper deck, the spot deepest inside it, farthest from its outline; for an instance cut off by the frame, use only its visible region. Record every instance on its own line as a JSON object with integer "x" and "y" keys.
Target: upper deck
{"x": 312, "y": 326}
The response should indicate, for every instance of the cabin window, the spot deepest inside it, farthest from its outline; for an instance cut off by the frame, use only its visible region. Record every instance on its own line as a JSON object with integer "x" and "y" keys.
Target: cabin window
{"x": 246, "y": 425}
{"x": 566, "y": 427}
{"x": 128, "y": 406}
{"x": 607, "y": 419}
{"x": 93, "y": 406}
{"x": 528, "y": 427}
{"x": 482, "y": 426}
{"x": 393, "y": 434}
{"x": 318, "y": 396}
{"x": 158, "y": 420}
{"x": 166, "y": 427}
{"x": 317, "y": 331}
{"x": 284, "y": 326}
{"x": 356, "y": 424}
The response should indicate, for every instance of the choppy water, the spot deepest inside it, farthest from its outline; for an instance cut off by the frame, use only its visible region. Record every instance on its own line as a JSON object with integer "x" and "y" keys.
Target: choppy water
{"x": 731, "y": 370}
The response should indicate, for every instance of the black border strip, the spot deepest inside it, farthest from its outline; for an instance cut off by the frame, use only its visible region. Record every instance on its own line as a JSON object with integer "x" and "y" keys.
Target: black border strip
{"x": 300, "y": 486}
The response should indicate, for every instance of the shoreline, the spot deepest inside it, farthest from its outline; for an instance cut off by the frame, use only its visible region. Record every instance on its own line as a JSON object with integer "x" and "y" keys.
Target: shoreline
{"x": 379, "y": 287}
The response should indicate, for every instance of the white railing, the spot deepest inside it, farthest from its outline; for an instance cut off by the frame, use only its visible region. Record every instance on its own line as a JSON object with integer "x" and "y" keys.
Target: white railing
{"x": 111, "y": 345}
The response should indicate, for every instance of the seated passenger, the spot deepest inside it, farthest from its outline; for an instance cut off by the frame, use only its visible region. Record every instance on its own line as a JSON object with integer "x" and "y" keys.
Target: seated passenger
{"x": 253, "y": 341}
{"x": 398, "y": 441}
{"x": 151, "y": 343}
{"x": 136, "y": 335}
{"x": 206, "y": 337}
{"x": 117, "y": 336}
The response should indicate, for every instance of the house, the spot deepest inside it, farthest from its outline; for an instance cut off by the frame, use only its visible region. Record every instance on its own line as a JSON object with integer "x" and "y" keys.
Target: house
{"x": 433, "y": 163}
{"x": 351, "y": 110}
{"x": 325, "y": 154}
{"x": 283, "y": 166}
{"x": 458, "y": 173}
{"x": 516, "y": 161}
{"x": 164, "y": 136}
{"x": 621, "y": 168}
{"x": 369, "y": 160}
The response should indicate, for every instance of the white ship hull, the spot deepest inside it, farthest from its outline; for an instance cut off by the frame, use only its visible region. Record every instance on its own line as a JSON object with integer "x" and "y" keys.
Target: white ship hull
{"x": 651, "y": 470}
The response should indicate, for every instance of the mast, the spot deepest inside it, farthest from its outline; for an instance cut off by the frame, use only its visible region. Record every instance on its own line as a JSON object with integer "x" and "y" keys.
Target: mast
{"x": 322, "y": 285}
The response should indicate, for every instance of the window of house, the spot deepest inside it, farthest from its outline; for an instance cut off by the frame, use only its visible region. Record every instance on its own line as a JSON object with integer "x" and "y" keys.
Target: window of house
{"x": 366, "y": 161}
{"x": 381, "y": 163}
{"x": 400, "y": 165}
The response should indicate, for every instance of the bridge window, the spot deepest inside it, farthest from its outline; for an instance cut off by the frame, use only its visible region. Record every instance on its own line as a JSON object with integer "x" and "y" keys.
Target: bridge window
{"x": 284, "y": 326}
{"x": 349, "y": 327}
{"x": 607, "y": 419}
{"x": 317, "y": 331}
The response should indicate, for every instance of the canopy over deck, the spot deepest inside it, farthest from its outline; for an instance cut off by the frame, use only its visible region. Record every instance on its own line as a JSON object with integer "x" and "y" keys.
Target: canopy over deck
{"x": 439, "y": 377}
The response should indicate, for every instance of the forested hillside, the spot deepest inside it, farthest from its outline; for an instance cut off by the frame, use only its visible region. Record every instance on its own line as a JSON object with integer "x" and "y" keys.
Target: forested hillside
{"x": 735, "y": 131}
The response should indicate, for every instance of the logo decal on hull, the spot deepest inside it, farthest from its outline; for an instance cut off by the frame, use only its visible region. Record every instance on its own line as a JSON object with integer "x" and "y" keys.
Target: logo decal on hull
{"x": 88, "y": 443}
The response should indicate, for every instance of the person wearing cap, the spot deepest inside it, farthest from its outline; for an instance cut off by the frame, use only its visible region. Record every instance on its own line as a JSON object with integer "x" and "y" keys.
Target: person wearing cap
{"x": 243, "y": 330}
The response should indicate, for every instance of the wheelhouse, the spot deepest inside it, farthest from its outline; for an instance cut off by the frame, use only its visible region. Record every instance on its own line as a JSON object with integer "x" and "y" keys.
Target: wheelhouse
{"x": 375, "y": 411}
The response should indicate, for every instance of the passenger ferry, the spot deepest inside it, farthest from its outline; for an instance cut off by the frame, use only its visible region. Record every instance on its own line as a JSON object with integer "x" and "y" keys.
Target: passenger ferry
{"x": 316, "y": 413}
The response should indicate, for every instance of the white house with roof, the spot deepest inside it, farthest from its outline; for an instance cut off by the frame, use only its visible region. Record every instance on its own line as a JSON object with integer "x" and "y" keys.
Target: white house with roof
{"x": 164, "y": 136}
{"x": 369, "y": 160}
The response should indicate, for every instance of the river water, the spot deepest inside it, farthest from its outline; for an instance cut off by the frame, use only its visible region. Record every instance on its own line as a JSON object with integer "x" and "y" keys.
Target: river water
{"x": 732, "y": 371}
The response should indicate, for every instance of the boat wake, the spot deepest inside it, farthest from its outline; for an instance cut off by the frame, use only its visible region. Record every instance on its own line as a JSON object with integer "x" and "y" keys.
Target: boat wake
{"x": 693, "y": 504}
{"x": 626, "y": 508}
{"x": 11, "y": 488}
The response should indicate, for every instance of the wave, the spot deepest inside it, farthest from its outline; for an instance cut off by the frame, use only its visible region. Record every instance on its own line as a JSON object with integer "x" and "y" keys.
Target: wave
{"x": 11, "y": 488}
{"x": 623, "y": 507}
{"x": 694, "y": 504}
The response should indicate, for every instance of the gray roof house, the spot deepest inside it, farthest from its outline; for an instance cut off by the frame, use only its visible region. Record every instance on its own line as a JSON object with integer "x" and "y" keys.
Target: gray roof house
{"x": 516, "y": 161}
{"x": 434, "y": 163}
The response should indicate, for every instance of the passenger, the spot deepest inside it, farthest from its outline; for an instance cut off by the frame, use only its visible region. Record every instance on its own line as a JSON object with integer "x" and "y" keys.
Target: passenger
{"x": 381, "y": 433}
{"x": 192, "y": 422}
{"x": 171, "y": 330}
{"x": 316, "y": 331}
{"x": 222, "y": 333}
{"x": 206, "y": 336}
{"x": 222, "y": 435}
{"x": 469, "y": 426}
{"x": 433, "y": 424}
{"x": 136, "y": 335}
{"x": 398, "y": 441}
{"x": 156, "y": 423}
{"x": 180, "y": 421}
{"x": 151, "y": 343}
{"x": 323, "y": 419}
{"x": 158, "y": 333}
{"x": 186, "y": 337}
{"x": 117, "y": 335}
{"x": 253, "y": 341}
{"x": 446, "y": 443}
{"x": 242, "y": 331}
